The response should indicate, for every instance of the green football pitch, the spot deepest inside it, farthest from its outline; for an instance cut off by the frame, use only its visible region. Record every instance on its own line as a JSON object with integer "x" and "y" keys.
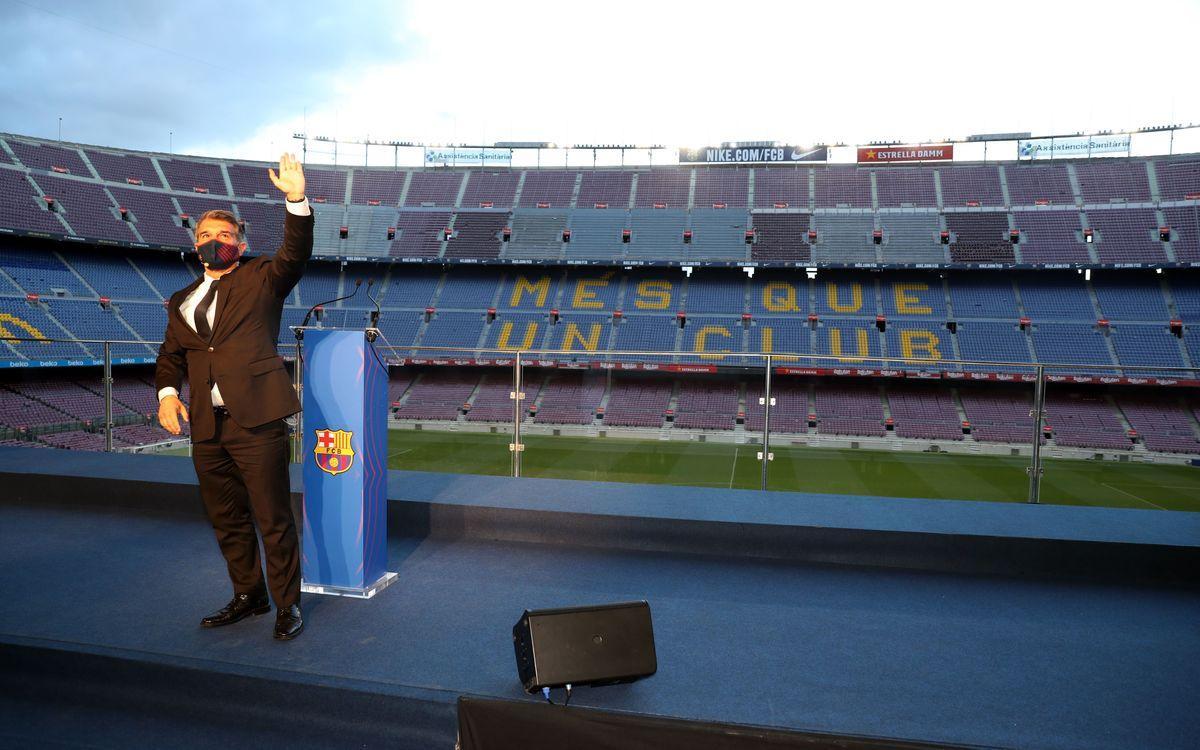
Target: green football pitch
{"x": 803, "y": 469}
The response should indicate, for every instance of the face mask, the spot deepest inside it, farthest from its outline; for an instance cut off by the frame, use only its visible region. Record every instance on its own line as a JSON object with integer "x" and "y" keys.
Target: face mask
{"x": 217, "y": 255}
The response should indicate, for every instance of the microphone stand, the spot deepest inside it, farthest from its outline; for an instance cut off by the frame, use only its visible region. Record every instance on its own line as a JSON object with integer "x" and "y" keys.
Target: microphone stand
{"x": 298, "y": 382}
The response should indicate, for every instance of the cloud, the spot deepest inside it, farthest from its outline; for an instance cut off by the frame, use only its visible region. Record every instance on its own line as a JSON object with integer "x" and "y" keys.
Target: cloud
{"x": 128, "y": 73}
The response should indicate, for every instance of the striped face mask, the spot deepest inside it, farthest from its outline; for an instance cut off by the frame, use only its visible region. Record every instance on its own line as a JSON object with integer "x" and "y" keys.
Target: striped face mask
{"x": 217, "y": 255}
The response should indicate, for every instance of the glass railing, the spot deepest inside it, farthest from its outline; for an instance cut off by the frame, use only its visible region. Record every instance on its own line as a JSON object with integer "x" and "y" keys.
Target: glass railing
{"x": 895, "y": 427}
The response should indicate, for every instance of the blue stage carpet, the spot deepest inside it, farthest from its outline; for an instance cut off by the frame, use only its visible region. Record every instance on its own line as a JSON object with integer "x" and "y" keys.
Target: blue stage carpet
{"x": 942, "y": 657}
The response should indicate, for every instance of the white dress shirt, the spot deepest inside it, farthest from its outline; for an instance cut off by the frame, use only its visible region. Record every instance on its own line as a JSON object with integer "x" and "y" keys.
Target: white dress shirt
{"x": 188, "y": 308}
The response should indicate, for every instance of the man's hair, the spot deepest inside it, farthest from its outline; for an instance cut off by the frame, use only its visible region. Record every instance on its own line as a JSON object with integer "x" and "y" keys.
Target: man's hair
{"x": 220, "y": 214}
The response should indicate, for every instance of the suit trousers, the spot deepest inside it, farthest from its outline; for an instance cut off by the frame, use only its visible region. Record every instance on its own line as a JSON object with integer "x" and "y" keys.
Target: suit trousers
{"x": 244, "y": 481}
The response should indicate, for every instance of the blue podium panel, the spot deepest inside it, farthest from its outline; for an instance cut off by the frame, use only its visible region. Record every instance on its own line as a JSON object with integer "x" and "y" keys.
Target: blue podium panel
{"x": 345, "y": 464}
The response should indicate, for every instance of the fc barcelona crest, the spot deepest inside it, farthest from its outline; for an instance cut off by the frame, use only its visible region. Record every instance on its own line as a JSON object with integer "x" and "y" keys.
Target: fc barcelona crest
{"x": 333, "y": 452}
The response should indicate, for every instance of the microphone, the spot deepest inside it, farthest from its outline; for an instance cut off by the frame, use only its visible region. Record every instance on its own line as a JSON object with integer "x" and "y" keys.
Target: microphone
{"x": 375, "y": 314}
{"x": 308, "y": 315}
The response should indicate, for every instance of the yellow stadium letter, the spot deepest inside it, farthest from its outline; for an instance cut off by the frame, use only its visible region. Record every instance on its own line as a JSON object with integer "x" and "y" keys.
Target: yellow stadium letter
{"x": 25, "y": 326}
{"x": 768, "y": 344}
{"x": 835, "y": 344}
{"x": 572, "y": 334}
{"x": 919, "y": 345}
{"x": 834, "y": 297}
{"x": 907, "y": 304}
{"x": 653, "y": 295}
{"x": 585, "y": 296}
{"x": 702, "y": 340}
{"x": 506, "y": 331}
{"x": 524, "y": 286}
{"x": 780, "y": 296}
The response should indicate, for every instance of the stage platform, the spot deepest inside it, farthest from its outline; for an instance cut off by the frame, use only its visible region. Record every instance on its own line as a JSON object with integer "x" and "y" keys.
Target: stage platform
{"x": 957, "y": 622}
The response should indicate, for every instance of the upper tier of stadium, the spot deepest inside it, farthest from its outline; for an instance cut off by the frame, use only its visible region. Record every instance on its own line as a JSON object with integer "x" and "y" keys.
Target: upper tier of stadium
{"x": 1082, "y": 213}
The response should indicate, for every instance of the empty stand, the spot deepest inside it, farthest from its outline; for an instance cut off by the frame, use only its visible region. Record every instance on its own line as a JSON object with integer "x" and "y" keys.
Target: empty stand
{"x": 783, "y": 187}
{"x": 638, "y": 402}
{"x": 1001, "y": 415}
{"x": 912, "y": 238}
{"x": 22, "y": 208}
{"x": 1051, "y": 237}
{"x": 491, "y": 401}
{"x": 537, "y": 234}
{"x": 440, "y": 397}
{"x": 495, "y": 188}
{"x": 1178, "y": 178}
{"x": 844, "y": 238}
{"x": 925, "y": 412}
{"x": 789, "y": 413}
{"x": 977, "y": 237}
{"x": 121, "y": 167}
{"x": 850, "y": 409}
{"x": 368, "y": 226}
{"x": 1031, "y": 184}
{"x": 419, "y": 234}
{"x": 1127, "y": 235}
{"x": 186, "y": 175}
{"x": 1106, "y": 180}
{"x": 707, "y": 404}
{"x": 434, "y": 189}
{"x": 596, "y": 234}
{"x": 905, "y": 186}
{"x": 657, "y": 234}
{"x": 154, "y": 215}
{"x": 971, "y": 186}
{"x": 553, "y": 188}
{"x": 569, "y": 398}
{"x": 717, "y": 235}
{"x": 716, "y": 292}
{"x": 477, "y": 234}
{"x": 847, "y": 187}
{"x": 781, "y": 237}
{"x": 264, "y": 225}
{"x": 1083, "y": 421}
{"x": 719, "y": 186}
{"x": 1184, "y": 222}
{"x": 87, "y": 208}
{"x": 377, "y": 186}
{"x": 663, "y": 188}
{"x": 1163, "y": 424}
{"x": 48, "y": 157}
{"x": 605, "y": 188}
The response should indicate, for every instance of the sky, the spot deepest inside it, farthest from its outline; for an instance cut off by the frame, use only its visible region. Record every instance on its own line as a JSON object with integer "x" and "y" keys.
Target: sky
{"x": 238, "y": 79}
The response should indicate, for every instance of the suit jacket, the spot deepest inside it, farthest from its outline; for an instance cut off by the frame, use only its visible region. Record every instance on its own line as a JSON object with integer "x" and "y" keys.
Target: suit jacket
{"x": 240, "y": 355}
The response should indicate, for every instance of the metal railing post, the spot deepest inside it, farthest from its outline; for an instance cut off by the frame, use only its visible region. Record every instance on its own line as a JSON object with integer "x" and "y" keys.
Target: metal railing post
{"x": 1038, "y": 412}
{"x": 108, "y": 380}
{"x": 766, "y": 441}
{"x": 515, "y": 447}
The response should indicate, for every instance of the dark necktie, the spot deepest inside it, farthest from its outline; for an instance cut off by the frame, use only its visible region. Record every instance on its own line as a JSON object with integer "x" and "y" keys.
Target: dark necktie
{"x": 200, "y": 316}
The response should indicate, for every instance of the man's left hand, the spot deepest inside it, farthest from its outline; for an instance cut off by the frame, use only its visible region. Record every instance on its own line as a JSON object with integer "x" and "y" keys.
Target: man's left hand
{"x": 290, "y": 179}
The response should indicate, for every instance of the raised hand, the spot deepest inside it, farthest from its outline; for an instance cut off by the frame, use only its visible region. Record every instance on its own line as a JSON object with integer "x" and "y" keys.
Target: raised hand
{"x": 290, "y": 179}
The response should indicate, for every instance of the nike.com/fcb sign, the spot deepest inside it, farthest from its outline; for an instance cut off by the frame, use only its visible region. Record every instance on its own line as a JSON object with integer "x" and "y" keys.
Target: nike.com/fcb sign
{"x": 881, "y": 154}
{"x": 752, "y": 155}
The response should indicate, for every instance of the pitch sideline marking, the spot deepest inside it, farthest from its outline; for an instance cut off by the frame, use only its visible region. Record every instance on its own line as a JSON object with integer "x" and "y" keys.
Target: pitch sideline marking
{"x": 399, "y": 452}
{"x": 1135, "y": 497}
{"x": 733, "y": 470}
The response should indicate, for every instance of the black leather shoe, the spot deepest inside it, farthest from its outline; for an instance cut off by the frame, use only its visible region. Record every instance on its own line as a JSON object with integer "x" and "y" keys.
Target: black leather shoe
{"x": 288, "y": 622}
{"x": 241, "y": 607}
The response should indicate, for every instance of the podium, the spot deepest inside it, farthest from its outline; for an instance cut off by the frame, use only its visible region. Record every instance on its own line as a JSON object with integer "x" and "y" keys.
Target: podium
{"x": 344, "y": 422}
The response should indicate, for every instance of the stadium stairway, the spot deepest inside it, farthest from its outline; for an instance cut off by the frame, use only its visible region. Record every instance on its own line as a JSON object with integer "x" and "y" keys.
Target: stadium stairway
{"x": 1095, "y": 300}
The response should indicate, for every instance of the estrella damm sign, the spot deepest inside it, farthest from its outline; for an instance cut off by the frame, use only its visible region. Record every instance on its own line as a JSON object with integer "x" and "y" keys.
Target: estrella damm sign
{"x": 333, "y": 452}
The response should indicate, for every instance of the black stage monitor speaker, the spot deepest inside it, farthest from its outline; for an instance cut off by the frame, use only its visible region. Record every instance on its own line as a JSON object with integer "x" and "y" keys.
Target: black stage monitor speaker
{"x": 596, "y": 645}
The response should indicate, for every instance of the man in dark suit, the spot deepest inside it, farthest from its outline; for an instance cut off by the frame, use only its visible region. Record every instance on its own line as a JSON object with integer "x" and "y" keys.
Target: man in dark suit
{"x": 221, "y": 332}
